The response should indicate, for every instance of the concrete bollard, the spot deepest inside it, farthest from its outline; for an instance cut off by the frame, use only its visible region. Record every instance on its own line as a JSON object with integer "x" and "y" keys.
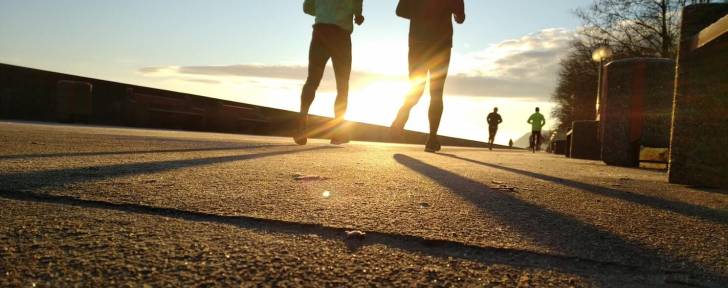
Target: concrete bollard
{"x": 636, "y": 109}
{"x": 567, "y": 144}
{"x": 584, "y": 140}
{"x": 73, "y": 100}
{"x": 699, "y": 141}
{"x": 558, "y": 147}
{"x": 557, "y": 142}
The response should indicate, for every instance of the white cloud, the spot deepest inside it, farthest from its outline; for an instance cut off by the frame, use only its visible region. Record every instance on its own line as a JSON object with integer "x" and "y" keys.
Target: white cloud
{"x": 534, "y": 57}
{"x": 525, "y": 67}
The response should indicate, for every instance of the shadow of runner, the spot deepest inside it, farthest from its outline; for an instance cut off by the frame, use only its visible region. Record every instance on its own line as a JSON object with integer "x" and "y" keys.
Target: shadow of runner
{"x": 551, "y": 229}
{"x": 107, "y": 153}
{"x": 601, "y": 273}
{"x": 61, "y": 177}
{"x": 654, "y": 202}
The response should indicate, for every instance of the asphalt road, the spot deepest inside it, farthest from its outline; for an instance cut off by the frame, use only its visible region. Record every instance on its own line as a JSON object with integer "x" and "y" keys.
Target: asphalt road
{"x": 129, "y": 207}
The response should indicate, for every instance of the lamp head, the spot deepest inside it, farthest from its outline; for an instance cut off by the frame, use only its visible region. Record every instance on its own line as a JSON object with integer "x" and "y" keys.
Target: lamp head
{"x": 602, "y": 53}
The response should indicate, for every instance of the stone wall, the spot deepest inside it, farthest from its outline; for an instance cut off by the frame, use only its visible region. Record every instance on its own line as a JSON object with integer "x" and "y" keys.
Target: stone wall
{"x": 31, "y": 94}
{"x": 699, "y": 142}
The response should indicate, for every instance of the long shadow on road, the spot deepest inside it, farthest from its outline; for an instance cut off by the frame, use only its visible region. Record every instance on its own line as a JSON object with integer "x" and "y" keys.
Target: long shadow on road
{"x": 60, "y": 177}
{"x": 654, "y": 202}
{"x": 601, "y": 273}
{"x": 557, "y": 231}
{"x": 541, "y": 225}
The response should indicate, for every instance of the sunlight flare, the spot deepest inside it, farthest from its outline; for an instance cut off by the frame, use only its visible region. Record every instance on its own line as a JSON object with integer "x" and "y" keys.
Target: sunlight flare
{"x": 377, "y": 102}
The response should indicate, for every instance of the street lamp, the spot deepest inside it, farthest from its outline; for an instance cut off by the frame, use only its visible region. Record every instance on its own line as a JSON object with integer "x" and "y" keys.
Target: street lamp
{"x": 600, "y": 55}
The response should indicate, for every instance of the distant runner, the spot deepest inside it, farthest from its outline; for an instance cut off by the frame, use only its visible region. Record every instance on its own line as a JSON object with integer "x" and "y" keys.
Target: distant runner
{"x": 537, "y": 122}
{"x": 493, "y": 120}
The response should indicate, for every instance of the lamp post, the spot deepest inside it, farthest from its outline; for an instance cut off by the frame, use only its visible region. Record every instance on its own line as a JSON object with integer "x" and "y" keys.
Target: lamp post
{"x": 600, "y": 55}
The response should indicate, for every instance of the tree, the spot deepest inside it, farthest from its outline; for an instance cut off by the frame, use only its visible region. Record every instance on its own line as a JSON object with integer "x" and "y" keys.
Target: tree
{"x": 632, "y": 28}
{"x": 576, "y": 90}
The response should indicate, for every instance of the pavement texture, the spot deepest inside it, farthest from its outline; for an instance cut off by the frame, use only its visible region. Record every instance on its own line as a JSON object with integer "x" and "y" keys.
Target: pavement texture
{"x": 93, "y": 206}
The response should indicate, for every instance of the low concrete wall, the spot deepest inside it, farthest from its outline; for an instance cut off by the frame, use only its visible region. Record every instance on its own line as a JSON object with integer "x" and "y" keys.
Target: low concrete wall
{"x": 31, "y": 94}
{"x": 73, "y": 100}
{"x": 699, "y": 141}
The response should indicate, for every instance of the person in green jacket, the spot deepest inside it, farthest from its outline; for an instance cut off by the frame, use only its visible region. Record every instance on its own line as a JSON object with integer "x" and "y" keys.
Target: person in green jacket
{"x": 331, "y": 39}
{"x": 537, "y": 122}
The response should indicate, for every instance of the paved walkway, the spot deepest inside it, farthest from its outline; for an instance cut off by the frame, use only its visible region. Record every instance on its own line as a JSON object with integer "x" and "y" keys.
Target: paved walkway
{"x": 113, "y": 205}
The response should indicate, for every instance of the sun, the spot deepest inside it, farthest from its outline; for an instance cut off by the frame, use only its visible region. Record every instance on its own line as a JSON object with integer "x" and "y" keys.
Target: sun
{"x": 377, "y": 102}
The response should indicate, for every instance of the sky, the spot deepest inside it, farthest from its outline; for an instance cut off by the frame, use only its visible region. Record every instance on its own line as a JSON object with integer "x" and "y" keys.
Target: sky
{"x": 505, "y": 55}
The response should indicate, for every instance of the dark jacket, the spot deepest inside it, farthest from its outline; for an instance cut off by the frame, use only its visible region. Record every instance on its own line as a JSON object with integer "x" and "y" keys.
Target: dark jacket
{"x": 494, "y": 119}
{"x": 431, "y": 20}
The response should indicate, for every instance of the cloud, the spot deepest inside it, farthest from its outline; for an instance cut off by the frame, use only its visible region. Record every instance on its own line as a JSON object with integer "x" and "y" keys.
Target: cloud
{"x": 460, "y": 84}
{"x": 204, "y": 81}
{"x": 525, "y": 67}
{"x": 534, "y": 57}
{"x": 258, "y": 71}
{"x": 494, "y": 87}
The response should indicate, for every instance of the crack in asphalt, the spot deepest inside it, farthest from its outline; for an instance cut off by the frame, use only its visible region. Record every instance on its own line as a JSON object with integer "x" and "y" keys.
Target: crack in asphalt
{"x": 447, "y": 249}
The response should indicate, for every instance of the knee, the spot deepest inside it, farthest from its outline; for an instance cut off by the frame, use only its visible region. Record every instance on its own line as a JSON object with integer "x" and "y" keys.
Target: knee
{"x": 437, "y": 89}
{"x": 410, "y": 102}
{"x": 312, "y": 83}
{"x": 416, "y": 91}
{"x": 310, "y": 86}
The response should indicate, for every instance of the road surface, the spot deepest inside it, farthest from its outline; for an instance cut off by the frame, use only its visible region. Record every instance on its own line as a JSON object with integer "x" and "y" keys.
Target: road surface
{"x": 115, "y": 206}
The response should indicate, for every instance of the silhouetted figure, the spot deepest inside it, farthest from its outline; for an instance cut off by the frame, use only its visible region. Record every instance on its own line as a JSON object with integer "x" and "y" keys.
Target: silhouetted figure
{"x": 430, "y": 45}
{"x": 493, "y": 120}
{"x": 510, "y": 143}
{"x": 537, "y": 122}
{"x": 331, "y": 39}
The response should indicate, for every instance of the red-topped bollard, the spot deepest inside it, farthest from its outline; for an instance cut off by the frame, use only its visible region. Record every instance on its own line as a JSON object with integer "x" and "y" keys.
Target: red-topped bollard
{"x": 699, "y": 143}
{"x": 636, "y": 108}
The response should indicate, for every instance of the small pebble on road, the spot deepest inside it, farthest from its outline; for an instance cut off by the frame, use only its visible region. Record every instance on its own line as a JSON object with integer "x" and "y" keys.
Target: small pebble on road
{"x": 310, "y": 178}
{"x": 355, "y": 234}
{"x": 506, "y": 188}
